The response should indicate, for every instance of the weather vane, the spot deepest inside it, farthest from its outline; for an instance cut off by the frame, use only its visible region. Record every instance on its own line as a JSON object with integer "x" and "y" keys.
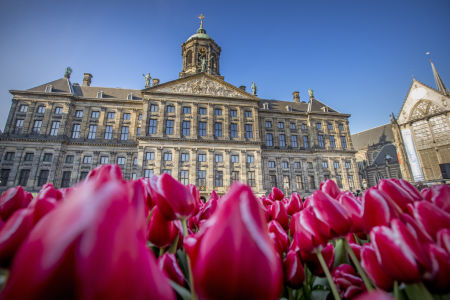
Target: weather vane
{"x": 201, "y": 17}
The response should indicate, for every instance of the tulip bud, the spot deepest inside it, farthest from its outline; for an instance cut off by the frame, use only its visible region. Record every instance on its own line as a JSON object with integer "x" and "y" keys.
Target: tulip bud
{"x": 431, "y": 217}
{"x": 311, "y": 260}
{"x": 440, "y": 281}
{"x": 294, "y": 274}
{"x": 396, "y": 192}
{"x": 374, "y": 269}
{"x": 295, "y": 204}
{"x": 13, "y": 199}
{"x": 160, "y": 232}
{"x": 378, "y": 209}
{"x": 439, "y": 195}
{"x": 277, "y": 194}
{"x": 168, "y": 264}
{"x": 354, "y": 208}
{"x": 278, "y": 213}
{"x": 443, "y": 238}
{"x": 330, "y": 187}
{"x": 347, "y": 281}
{"x": 279, "y": 237}
{"x": 310, "y": 232}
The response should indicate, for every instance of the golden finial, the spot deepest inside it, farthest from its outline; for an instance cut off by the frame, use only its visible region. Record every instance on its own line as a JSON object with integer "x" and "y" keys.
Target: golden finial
{"x": 201, "y": 17}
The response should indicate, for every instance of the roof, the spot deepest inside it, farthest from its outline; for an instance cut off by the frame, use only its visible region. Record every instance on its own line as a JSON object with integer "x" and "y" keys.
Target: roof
{"x": 61, "y": 85}
{"x": 373, "y": 136}
{"x": 201, "y": 34}
{"x": 280, "y": 106}
{"x": 388, "y": 152}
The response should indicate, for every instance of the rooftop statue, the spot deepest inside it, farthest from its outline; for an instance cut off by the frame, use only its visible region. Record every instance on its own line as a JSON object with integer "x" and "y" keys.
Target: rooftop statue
{"x": 147, "y": 80}
{"x": 254, "y": 88}
{"x": 311, "y": 93}
{"x": 68, "y": 72}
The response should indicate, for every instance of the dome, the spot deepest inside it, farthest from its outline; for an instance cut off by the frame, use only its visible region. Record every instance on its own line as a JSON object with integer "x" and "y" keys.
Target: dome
{"x": 201, "y": 34}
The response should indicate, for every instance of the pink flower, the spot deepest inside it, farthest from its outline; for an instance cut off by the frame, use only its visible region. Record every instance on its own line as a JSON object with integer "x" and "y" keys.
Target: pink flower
{"x": 279, "y": 237}
{"x": 276, "y": 194}
{"x": 431, "y": 217}
{"x": 396, "y": 192}
{"x": 378, "y": 209}
{"x": 278, "y": 212}
{"x": 310, "y": 232}
{"x": 294, "y": 274}
{"x": 348, "y": 283}
{"x": 295, "y": 204}
{"x": 330, "y": 187}
{"x": 311, "y": 260}
{"x": 354, "y": 207}
{"x": 160, "y": 232}
{"x": 375, "y": 295}
{"x": 168, "y": 264}
{"x": 440, "y": 282}
{"x": 13, "y": 199}
{"x": 374, "y": 269}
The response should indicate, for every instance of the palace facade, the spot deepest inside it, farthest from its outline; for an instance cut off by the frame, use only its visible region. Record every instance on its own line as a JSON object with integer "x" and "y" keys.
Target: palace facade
{"x": 198, "y": 127}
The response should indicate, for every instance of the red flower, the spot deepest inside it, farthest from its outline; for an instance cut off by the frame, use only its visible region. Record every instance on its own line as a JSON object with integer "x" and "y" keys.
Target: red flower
{"x": 160, "y": 232}
{"x": 232, "y": 257}
{"x": 278, "y": 212}
{"x": 354, "y": 207}
{"x": 374, "y": 269}
{"x": 396, "y": 192}
{"x": 13, "y": 199}
{"x": 279, "y": 237}
{"x": 310, "y": 232}
{"x": 168, "y": 264}
{"x": 311, "y": 260}
{"x": 330, "y": 187}
{"x": 348, "y": 283}
{"x": 294, "y": 274}
{"x": 378, "y": 209}
{"x": 295, "y": 204}
{"x": 431, "y": 217}
{"x": 440, "y": 282}
{"x": 276, "y": 194}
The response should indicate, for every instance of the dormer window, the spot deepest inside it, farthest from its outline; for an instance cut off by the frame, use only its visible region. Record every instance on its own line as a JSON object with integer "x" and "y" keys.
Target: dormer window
{"x": 288, "y": 108}
{"x": 48, "y": 88}
{"x": 265, "y": 105}
{"x": 100, "y": 94}
{"x": 130, "y": 96}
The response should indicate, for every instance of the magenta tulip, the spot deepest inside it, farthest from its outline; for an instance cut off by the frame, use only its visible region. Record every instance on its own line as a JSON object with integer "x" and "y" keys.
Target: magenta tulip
{"x": 276, "y": 194}
{"x": 311, "y": 260}
{"x": 160, "y": 232}
{"x": 279, "y": 237}
{"x": 443, "y": 239}
{"x": 431, "y": 217}
{"x": 378, "y": 209}
{"x": 396, "y": 192}
{"x": 294, "y": 205}
{"x": 294, "y": 273}
{"x": 374, "y": 269}
{"x": 232, "y": 257}
{"x": 375, "y": 295}
{"x": 354, "y": 207}
{"x": 412, "y": 191}
{"x": 347, "y": 281}
{"x": 310, "y": 232}
{"x": 168, "y": 264}
{"x": 13, "y": 199}
{"x": 330, "y": 188}
{"x": 440, "y": 281}
{"x": 439, "y": 195}
{"x": 278, "y": 212}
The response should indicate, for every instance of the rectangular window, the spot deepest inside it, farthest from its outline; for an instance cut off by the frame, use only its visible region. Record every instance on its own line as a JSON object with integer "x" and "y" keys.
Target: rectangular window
{"x": 87, "y": 159}
{"x": 305, "y": 142}
{"x": 347, "y": 165}
{"x": 332, "y": 142}
{"x": 202, "y": 128}
{"x": 292, "y": 126}
{"x": 233, "y": 113}
{"x": 78, "y": 114}
{"x": 294, "y": 141}
{"x": 138, "y": 131}
{"x": 248, "y": 114}
{"x": 42, "y": 178}
{"x": 282, "y": 140}
{"x": 280, "y": 125}
{"x": 83, "y": 175}
{"x": 65, "y": 181}
{"x": 186, "y": 128}
{"x": 184, "y": 157}
{"x": 149, "y": 156}
{"x": 108, "y": 132}
{"x": 69, "y": 159}
{"x": 130, "y": 96}
{"x": 202, "y": 110}
{"x": 186, "y": 110}
{"x": 268, "y": 124}
{"x": 350, "y": 182}
{"x": 140, "y": 117}
{"x": 169, "y": 127}
{"x": 148, "y": 173}
{"x": 23, "y": 108}
{"x": 218, "y": 129}
{"x": 48, "y": 157}
{"x": 170, "y": 108}
{"x": 304, "y": 126}
{"x": 325, "y": 164}
{"x": 92, "y": 131}
{"x": 201, "y": 179}
{"x": 273, "y": 181}
{"x": 343, "y": 142}
{"x": 76, "y": 131}
{"x": 330, "y": 126}
{"x": 154, "y": 108}
{"x": 54, "y": 129}
{"x": 152, "y": 126}
{"x": 269, "y": 140}
{"x": 336, "y": 164}
{"x": 168, "y": 156}
{"x": 126, "y": 116}
{"x": 234, "y": 176}
{"x": 251, "y": 180}
{"x": 135, "y": 161}
{"x": 95, "y": 114}
{"x": 218, "y": 158}
{"x": 299, "y": 180}
{"x": 19, "y": 126}
{"x": 37, "y": 126}
{"x": 201, "y": 157}
{"x": 285, "y": 165}
{"x": 341, "y": 127}
{"x": 271, "y": 164}
{"x": 320, "y": 139}
{"x": 233, "y": 130}
{"x": 184, "y": 177}
{"x": 133, "y": 176}
{"x": 297, "y": 165}
{"x": 111, "y": 115}
{"x": 9, "y": 156}
{"x": 286, "y": 182}
{"x": 310, "y": 165}
{"x": 234, "y": 158}
{"x": 339, "y": 181}
{"x": 248, "y": 131}
{"x": 218, "y": 112}
{"x": 319, "y": 126}
{"x": 124, "y": 133}
{"x": 4, "y": 175}
{"x": 58, "y": 110}
{"x": 312, "y": 182}
{"x": 41, "y": 109}
{"x": 28, "y": 156}
{"x": 218, "y": 179}
{"x": 121, "y": 161}
{"x": 104, "y": 160}
{"x": 250, "y": 158}
{"x": 23, "y": 177}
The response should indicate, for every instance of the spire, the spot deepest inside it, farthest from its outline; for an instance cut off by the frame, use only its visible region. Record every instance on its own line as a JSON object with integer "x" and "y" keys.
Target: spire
{"x": 201, "y": 29}
{"x": 439, "y": 83}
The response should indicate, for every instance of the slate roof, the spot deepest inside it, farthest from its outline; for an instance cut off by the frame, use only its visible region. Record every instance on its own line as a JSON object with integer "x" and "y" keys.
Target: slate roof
{"x": 372, "y": 136}
{"x": 387, "y": 152}
{"x": 61, "y": 85}
{"x": 280, "y": 106}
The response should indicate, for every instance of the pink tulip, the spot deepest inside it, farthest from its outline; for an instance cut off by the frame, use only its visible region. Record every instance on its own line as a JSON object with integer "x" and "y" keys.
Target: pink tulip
{"x": 311, "y": 260}
{"x": 277, "y": 194}
{"x": 294, "y": 205}
{"x": 439, "y": 195}
{"x": 278, "y": 212}
{"x": 396, "y": 192}
{"x": 294, "y": 274}
{"x": 278, "y": 236}
{"x": 208, "y": 209}
{"x": 440, "y": 281}
{"x": 160, "y": 232}
{"x": 431, "y": 217}
{"x": 354, "y": 207}
{"x": 412, "y": 191}
{"x": 443, "y": 239}
{"x": 330, "y": 187}
{"x": 13, "y": 199}
{"x": 378, "y": 209}
{"x": 310, "y": 232}
{"x": 374, "y": 269}
{"x": 348, "y": 283}
{"x": 375, "y": 295}
{"x": 105, "y": 173}
{"x": 168, "y": 264}
{"x": 89, "y": 247}
{"x": 173, "y": 198}
{"x": 45, "y": 201}
{"x": 232, "y": 256}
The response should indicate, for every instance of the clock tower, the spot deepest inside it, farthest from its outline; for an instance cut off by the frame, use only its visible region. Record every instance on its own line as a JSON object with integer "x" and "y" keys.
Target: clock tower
{"x": 200, "y": 54}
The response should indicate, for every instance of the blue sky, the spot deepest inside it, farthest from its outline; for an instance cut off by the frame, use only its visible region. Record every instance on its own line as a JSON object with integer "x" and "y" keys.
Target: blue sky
{"x": 357, "y": 56}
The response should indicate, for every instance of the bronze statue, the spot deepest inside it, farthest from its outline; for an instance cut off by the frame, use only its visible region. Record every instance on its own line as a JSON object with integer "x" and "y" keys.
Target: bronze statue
{"x": 147, "y": 80}
{"x": 68, "y": 72}
{"x": 254, "y": 88}
{"x": 203, "y": 64}
{"x": 311, "y": 93}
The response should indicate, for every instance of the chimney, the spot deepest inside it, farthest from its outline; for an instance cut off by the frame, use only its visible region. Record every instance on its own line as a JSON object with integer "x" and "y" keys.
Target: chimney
{"x": 296, "y": 96}
{"x": 155, "y": 81}
{"x": 87, "y": 79}
{"x": 243, "y": 87}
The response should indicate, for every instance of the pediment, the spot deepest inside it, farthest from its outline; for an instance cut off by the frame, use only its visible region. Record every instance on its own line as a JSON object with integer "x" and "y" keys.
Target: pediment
{"x": 201, "y": 84}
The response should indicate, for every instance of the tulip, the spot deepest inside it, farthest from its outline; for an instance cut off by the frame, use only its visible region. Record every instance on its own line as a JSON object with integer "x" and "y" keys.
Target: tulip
{"x": 213, "y": 196}
{"x": 160, "y": 232}
{"x": 431, "y": 217}
{"x": 396, "y": 192}
{"x": 232, "y": 256}
{"x": 440, "y": 282}
{"x": 354, "y": 207}
{"x": 347, "y": 281}
{"x": 443, "y": 238}
{"x": 168, "y": 264}
{"x": 439, "y": 195}
{"x": 374, "y": 269}
{"x": 294, "y": 274}
{"x": 105, "y": 173}
{"x": 330, "y": 187}
{"x": 412, "y": 191}
{"x": 311, "y": 260}
{"x": 374, "y": 295}
{"x": 45, "y": 201}
{"x": 13, "y": 199}
{"x": 208, "y": 209}
{"x": 276, "y": 194}
{"x": 310, "y": 232}
{"x": 278, "y": 212}
{"x": 196, "y": 195}
{"x": 278, "y": 236}
{"x": 173, "y": 198}
{"x": 294, "y": 205}
{"x": 88, "y": 248}
{"x": 378, "y": 209}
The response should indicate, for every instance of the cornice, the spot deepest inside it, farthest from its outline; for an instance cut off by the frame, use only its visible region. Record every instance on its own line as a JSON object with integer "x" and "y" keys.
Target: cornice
{"x": 201, "y": 141}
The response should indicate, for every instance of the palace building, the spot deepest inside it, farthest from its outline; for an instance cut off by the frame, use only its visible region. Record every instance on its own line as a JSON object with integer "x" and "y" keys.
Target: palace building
{"x": 198, "y": 127}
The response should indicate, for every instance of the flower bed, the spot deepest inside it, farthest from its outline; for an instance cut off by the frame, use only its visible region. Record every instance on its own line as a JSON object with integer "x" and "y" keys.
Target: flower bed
{"x": 108, "y": 238}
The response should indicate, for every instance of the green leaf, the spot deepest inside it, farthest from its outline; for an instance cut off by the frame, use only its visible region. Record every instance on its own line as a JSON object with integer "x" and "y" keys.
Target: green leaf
{"x": 417, "y": 291}
{"x": 184, "y": 293}
{"x": 340, "y": 256}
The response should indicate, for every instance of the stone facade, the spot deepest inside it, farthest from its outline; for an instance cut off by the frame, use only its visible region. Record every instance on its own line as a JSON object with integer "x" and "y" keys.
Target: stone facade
{"x": 199, "y": 128}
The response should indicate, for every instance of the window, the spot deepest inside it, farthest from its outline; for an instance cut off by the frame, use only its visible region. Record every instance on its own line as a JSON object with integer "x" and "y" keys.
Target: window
{"x": 83, "y": 175}
{"x": 350, "y": 182}
{"x": 343, "y": 142}
{"x": 19, "y": 126}
{"x": 121, "y": 161}
{"x": 330, "y": 126}
{"x": 201, "y": 157}
{"x": 218, "y": 179}
{"x": 55, "y": 127}
{"x": 304, "y": 126}
{"x": 126, "y": 116}
{"x": 269, "y": 140}
{"x": 268, "y": 124}
{"x": 341, "y": 127}
{"x": 218, "y": 129}
{"x": 48, "y": 88}
{"x": 265, "y": 105}
{"x": 108, "y": 132}
{"x": 133, "y": 176}
{"x": 41, "y": 109}
{"x": 186, "y": 128}
{"x": 9, "y": 156}
{"x": 167, "y": 156}
{"x": 234, "y": 176}
{"x": 48, "y": 157}
{"x": 201, "y": 178}
{"x": 154, "y": 108}
{"x": 248, "y": 131}
{"x": 234, "y": 158}
{"x": 130, "y": 96}
{"x": 78, "y": 114}
{"x": 202, "y": 128}
{"x": 152, "y": 126}
{"x": 4, "y": 175}
{"x": 294, "y": 141}
{"x": 233, "y": 130}
{"x": 138, "y": 131}
{"x": 217, "y": 111}
{"x": 251, "y": 181}
{"x": 218, "y": 158}
{"x": 280, "y": 125}
{"x": 347, "y": 164}
{"x": 286, "y": 182}
{"x": 169, "y": 127}
{"x": 250, "y": 158}
{"x": 273, "y": 180}
{"x": 135, "y": 161}
{"x": 184, "y": 177}
{"x": 95, "y": 114}
{"x": 28, "y": 156}
{"x": 305, "y": 142}
{"x": 284, "y": 164}
{"x": 202, "y": 110}
{"x": 42, "y": 178}
{"x": 319, "y": 126}
{"x": 69, "y": 159}
{"x": 292, "y": 126}
{"x": 37, "y": 126}
{"x": 148, "y": 173}
{"x": 139, "y": 117}
{"x": 325, "y": 164}
{"x": 149, "y": 156}
{"x": 76, "y": 131}
{"x": 92, "y": 131}
{"x": 170, "y": 108}
{"x": 271, "y": 164}
{"x": 312, "y": 183}
{"x": 297, "y": 165}
{"x": 100, "y": 94}
{"x": 124, "y": 133}
{"x": 320, "y": 139}
{"x": 310, "y": 165}
{"x": 332, "y": 142}
{"x": 23, "y": 177}
{"x": 104, "y": 160}
{"x": 184, "y": 157}
{"x": 87, "y": 159}
{"x": 339, "y": 181}
{"x": 288, "y": 108}
{"x": 233, "y": 113}
{"x": 248, "y": 114}
{"x": 336, "y": 164}
{"x": 58, "y": 110}
{"x": 186, "y": 110}
{"x": 111, "y": 115}
{"x": 282, "y": 140}
{"x": 299, "y": 180}
{"x": 23, "y": 108}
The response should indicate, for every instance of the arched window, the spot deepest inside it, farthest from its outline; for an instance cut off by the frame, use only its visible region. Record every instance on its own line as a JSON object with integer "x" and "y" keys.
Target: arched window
{"x": 189, "y": 58}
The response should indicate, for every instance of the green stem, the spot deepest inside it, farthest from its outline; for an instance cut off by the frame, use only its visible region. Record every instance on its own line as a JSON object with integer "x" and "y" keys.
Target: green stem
{"x": 396, "y": 291}
{"x": 358, "y": 265}
{"x": 161, "y": 251}
{"x": 327, "y": 273}
{"x": 291, "y": 295}
{"x": 191, "y": 278}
